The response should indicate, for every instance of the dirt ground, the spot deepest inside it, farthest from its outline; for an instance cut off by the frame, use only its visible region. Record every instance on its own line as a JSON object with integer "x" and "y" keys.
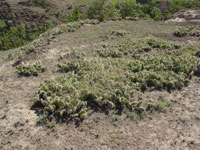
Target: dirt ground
{"x": 177, "y": 129}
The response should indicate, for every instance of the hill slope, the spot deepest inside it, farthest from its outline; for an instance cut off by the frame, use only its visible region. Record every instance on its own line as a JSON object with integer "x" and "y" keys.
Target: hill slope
{"x": 176, "y": 128}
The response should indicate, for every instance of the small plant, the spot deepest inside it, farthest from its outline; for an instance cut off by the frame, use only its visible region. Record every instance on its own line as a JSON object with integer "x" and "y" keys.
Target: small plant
{"x": 119, "y": 33}
{"x": 54, "y": 11}
{"x": 48, "y": 24}
{"x": 197, "y": 117}
{"x": 157, "y": 43}
{"x": 197, "y": 53}
{"x": 30, "y": 70}
{"x": 132, "y": 115}
{"x": 160, "y": 106}
{"x": 110, "y": 53}
{"x": 69, "y": 66}
{"x": 72, "y": 27}
{"x": 2, "y": 25}
{"x": 75, "y": 15}
{"x": 10, "y": 57}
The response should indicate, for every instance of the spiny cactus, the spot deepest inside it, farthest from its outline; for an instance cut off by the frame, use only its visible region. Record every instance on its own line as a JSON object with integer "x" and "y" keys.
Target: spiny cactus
{"x": 30, "y": 69}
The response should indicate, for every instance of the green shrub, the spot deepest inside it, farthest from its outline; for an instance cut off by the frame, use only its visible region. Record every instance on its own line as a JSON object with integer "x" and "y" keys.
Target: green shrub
{"x": 75, "y": 15}
{"x": 30, "y": 70}
{"x": 72, "y": 27}
{"x": 54, "y": 11}
{"x": 131, "y": 8}
{"x": 151, "y": 10}
{"x": 106, "y": 9}
{"x": 102, "y": 10}
{"x": 160, "y": 106}
{"x": 48, "y": 24}
{"x": 12, "y": 37}
{"x": 2, "y": 25}
{"x": 178, "y": 5}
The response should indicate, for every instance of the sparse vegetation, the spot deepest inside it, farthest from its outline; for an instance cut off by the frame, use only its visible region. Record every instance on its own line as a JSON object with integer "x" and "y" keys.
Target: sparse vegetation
{"x": 30, "y": 69}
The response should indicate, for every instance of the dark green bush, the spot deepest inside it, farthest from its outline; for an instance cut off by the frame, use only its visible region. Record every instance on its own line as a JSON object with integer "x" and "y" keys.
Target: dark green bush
{"x": 131, "y": 8}
{"x": 12, "y": 37}
{"x": 177, "y": 5}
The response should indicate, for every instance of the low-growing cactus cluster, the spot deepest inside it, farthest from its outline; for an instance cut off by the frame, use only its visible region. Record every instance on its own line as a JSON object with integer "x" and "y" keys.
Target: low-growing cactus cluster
{"x": 54, "y": 96}
{"x": 135, "y": 48}
{"x": 119, "y": 32}
{"x": 189, "y": 30}
{"x": 164, "y": 73}
{"x": 110, "y": 83}
{"x": 72, "y": 26}
{"x": 30, "y": 69}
